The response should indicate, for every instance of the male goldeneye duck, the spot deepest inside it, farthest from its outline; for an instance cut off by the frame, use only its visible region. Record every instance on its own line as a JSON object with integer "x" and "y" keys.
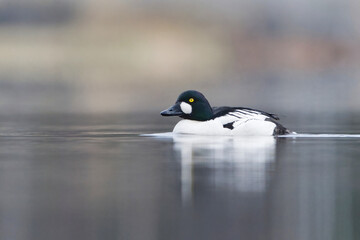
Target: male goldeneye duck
{"x": 200, "y": 118}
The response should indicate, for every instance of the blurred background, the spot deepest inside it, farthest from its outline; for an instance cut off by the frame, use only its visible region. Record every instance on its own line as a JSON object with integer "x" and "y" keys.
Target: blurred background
{"x": 80, "y": 80}
{"x": 92, "y": 56}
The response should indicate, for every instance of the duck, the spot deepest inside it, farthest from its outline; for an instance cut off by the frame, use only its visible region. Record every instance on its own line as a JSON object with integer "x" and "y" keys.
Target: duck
{"x": 200, "y": 118}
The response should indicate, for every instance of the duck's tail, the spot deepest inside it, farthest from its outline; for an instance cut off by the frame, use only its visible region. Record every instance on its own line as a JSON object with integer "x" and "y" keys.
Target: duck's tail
{"x": 281, "y": 130}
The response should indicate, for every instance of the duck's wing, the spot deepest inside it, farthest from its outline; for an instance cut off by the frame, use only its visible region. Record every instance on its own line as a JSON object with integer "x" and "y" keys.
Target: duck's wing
{"x": 241, "y": 112}
{"x": 228, "y": 115}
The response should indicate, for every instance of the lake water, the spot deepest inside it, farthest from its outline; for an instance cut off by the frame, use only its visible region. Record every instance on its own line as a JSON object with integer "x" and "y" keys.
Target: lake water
{"x": 94, "y": 177}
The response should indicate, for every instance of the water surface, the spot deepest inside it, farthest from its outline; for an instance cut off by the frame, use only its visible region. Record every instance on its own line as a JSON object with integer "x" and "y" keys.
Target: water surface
{"x": 95, "y": 177}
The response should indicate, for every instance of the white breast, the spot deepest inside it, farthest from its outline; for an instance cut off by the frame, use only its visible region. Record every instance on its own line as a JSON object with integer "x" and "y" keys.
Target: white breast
{"x": 211, "y": 127}
{"x": 247, "y": 127}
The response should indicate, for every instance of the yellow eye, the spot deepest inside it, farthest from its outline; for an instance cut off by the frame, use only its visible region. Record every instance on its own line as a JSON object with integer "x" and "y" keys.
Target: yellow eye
{"x": 191, "y": 100}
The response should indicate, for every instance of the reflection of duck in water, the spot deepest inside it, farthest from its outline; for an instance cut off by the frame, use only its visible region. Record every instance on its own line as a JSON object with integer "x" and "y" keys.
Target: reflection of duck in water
{"x": 234, "y": 163}
{"x": 201, "y": 118}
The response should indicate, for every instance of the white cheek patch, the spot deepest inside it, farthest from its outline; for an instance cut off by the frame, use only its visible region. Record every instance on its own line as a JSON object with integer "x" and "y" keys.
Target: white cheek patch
{"x": 185, "y": 107}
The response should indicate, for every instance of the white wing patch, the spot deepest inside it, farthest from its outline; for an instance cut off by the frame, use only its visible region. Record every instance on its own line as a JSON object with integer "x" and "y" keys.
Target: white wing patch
{"x": 239, "y": 116}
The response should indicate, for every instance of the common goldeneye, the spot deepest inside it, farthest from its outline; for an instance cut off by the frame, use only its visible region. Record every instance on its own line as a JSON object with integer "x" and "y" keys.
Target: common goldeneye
{"x": 202, "y": 119}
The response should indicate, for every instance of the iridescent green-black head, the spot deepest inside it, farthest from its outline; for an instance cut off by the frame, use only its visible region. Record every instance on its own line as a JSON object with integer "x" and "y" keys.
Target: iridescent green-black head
{"x": 191, "y": 105}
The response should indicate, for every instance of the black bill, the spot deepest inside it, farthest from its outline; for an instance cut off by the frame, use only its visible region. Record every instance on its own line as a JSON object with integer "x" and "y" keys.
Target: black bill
{"x": 172, "y": 111}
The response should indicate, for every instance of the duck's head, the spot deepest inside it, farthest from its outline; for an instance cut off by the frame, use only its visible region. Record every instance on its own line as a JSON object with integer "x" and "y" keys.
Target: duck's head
{"x": 191, "y": 105}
